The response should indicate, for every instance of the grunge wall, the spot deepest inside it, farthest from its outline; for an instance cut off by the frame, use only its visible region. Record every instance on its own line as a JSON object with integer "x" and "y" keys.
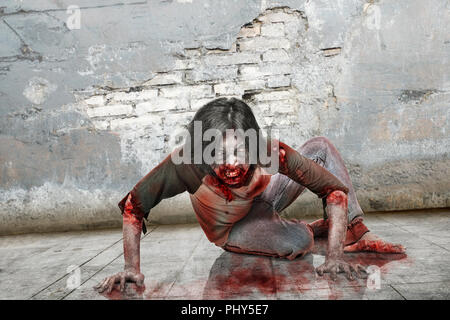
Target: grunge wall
{"x": 87, "y": 110}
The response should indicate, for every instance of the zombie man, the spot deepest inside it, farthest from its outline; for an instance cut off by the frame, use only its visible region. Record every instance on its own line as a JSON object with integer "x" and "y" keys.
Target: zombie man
{"x": 237, "y": 202}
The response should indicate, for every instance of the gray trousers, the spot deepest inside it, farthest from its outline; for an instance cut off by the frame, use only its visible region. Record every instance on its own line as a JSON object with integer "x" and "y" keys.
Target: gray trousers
{"x": 262, "y": 231}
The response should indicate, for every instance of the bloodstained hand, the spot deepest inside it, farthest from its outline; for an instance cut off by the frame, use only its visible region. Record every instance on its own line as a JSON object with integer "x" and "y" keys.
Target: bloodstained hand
{"x": 337, "y": 207}
{"x": 336, "y": 266}
{"x": 108, "y": 283}
{"x": 132, "y": 227}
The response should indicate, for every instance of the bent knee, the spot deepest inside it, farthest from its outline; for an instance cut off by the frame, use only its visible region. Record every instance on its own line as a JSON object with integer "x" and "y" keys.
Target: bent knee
{"x": 301, "y": 250}
{"x": 316, "y": 147}
{"x": 298, "y": 245}
{"x": 321, "y": 140}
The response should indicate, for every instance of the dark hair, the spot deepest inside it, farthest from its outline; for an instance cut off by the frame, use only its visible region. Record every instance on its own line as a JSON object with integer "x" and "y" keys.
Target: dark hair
{"x": 222, "y": 114}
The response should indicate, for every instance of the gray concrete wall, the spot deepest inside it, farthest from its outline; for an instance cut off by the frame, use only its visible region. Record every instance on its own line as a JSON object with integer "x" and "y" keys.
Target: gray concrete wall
{"x": 86, "y": 112}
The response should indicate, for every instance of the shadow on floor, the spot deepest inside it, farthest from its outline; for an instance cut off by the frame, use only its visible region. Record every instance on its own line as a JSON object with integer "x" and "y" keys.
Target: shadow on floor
{"x": 237, "y": 276}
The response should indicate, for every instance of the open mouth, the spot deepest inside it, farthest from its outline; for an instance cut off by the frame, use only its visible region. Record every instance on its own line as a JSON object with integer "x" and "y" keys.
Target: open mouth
{"x": 232, "y": 173}
{"x": 232, "y": 176}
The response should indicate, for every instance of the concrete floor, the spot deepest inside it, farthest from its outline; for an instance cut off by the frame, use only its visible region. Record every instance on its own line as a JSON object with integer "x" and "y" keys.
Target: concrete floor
{"x": 180, "y": 263}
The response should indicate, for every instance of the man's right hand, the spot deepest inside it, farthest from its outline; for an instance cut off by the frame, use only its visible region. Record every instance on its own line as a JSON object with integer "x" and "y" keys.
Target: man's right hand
{"x": 121, "y": 277}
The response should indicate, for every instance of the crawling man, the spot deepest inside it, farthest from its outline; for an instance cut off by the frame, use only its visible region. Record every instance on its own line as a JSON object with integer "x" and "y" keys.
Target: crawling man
{"x": 237, "y": 197}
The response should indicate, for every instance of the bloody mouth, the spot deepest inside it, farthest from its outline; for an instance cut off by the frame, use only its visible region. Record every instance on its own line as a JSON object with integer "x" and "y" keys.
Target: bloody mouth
{"x": 231, "y": 176}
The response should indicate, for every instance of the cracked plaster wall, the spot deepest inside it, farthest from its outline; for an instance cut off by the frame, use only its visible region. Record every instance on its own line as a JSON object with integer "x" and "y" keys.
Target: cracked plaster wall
{"x": 85, "y": 113}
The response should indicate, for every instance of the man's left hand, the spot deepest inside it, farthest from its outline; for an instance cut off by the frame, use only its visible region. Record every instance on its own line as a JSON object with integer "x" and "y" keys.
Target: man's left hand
{"x": 336, "y": 266}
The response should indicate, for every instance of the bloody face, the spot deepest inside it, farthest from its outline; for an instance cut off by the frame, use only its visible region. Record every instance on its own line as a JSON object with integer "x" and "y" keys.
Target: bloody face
{"x": 234, "y": 168}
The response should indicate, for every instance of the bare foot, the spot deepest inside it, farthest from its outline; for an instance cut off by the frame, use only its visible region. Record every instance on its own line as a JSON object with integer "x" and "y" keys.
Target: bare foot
{"x": 371, "y": 242}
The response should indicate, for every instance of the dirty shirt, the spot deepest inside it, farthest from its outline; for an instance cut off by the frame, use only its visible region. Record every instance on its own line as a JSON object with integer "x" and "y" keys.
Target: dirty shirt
{"x": 216, "y": 206}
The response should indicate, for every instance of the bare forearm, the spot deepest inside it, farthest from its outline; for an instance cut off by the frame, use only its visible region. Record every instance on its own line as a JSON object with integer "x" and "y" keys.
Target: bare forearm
{"x": 132, "y": 227}
{"x": 337, "y": 214}
{"x": 337, "y": 204}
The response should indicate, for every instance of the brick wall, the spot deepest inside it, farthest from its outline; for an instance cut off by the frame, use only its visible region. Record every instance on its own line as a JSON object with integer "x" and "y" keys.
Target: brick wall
{"x": 257, "y": 68}
{"x": 85, "y": 113}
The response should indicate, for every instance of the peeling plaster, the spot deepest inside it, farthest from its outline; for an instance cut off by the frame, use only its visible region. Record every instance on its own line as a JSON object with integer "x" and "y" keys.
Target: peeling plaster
{"x": 38, "y": 90}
